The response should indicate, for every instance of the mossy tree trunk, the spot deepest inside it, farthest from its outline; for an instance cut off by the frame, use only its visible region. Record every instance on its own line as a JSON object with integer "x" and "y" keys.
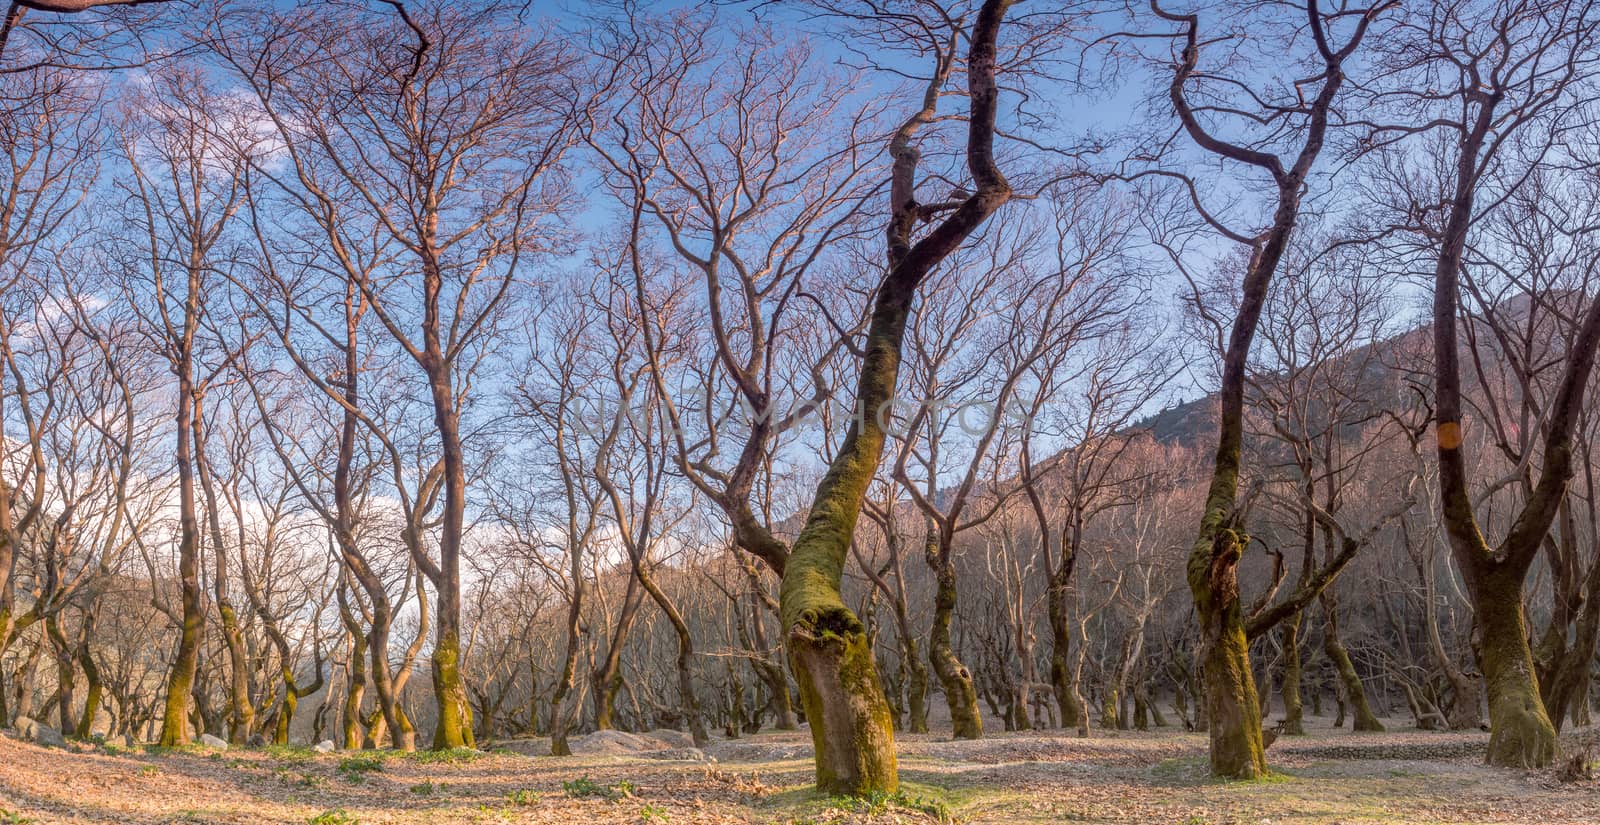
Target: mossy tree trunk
{"x": 1293, "y": 710}
{"x": 1352, "y": 688}
{"x": 607, "y": 678}
{"x": 454, "y": 726}
{"x": 355, "y": 694}
{"x": 1061, "y": 683}
{"x": 1232, "y": 707}
{"x": 1521, "y": 733}
{"x": 241, "y": 718}
{"x": 66, "y": 672}
{"x": 180, "y": 680}
{"x": 1232, "y": 703}
{"x": 829, "y": 651}
{"x": 959, "y": 694}
{"x": 91, "y": 675}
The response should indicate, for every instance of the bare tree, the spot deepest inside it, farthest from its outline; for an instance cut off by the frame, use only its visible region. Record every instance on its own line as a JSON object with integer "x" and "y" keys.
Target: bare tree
{"x": 455, "y": 172}
{"x": 187, "y": 186}
{"x": 1502, "y": 83}
{"x": 1208, "y": 105}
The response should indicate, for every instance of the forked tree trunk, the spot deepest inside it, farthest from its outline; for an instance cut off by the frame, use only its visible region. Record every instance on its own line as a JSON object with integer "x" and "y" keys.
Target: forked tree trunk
{"x": 1232, "y": 704}
{"x": 1521, "y": 733}
{"x": 852, "y": 730}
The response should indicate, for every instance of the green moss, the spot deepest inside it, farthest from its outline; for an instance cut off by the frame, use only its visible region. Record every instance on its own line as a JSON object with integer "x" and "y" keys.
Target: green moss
{"x": 454, "y": 729}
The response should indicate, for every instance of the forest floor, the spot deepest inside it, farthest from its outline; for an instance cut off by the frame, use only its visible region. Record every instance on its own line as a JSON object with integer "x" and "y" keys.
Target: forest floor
{"x": 1326, "y": 777}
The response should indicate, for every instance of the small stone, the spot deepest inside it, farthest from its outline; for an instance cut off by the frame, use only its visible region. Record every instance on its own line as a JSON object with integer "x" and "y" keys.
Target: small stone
{"x": 213, "y": 742}
{"x": 325, "y": 746}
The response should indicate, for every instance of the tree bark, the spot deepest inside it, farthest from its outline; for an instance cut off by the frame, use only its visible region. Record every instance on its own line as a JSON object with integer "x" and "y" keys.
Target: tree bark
{"x": 608, "y": 677}
{"x": 1521, "y": 734}
{"x": 180, "y": 681}
{"x": 829, "y": 651}
{"x": 1232, "y": 705}
{"x": 1293, "y": 710}
{"x": 959, "y": 695}
{"x": 1355, "y": 693}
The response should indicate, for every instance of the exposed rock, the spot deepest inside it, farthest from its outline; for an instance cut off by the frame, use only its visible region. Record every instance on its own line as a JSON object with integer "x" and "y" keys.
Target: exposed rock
{"x": 673, "y": 738}
{"x": 32, "y": 730}
{"x": 616, "y": 743}
{"x": 325, "y": 746}
{"x": 679, "y": 754}
{"x": 210, "y": 741}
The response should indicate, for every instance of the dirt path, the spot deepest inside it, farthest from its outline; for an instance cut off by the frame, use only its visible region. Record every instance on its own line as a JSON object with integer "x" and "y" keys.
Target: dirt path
{"x": 1328, "y": 777}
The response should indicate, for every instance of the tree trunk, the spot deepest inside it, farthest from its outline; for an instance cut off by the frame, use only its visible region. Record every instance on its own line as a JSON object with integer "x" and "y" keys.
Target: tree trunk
{"x": 241, "y": 719}
{"x": 180, "y": 681}
{"x": 1293, "y": 711}
{"x": 690, "y": 704}
{"x": 608, "y": 677}
{"x": 351, "y": 721}
{"x": 1355, "y": 692}
{"x": 959, "y": 694}
{"x": 91, "y": 674}
{"x": 1232, "y": 707}
{"x": 1521, "y": 734}
{"x": 1061, "y": 682}
{"x": 66, "y": 672}
{"x": 560, "y": 714}
{"x": 454, "y": 727}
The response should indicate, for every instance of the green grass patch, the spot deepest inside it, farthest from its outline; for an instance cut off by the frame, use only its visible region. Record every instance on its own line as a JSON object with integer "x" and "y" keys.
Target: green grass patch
{"x": 585, "y": 788}
{"x": 451, "y": 756}
{"x": 290, "y": 753}
{"x": 355, "y": 768}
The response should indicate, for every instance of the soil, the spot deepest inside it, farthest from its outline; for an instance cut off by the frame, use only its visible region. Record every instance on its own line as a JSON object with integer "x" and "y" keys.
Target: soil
{"x": 1328, "y": 777}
